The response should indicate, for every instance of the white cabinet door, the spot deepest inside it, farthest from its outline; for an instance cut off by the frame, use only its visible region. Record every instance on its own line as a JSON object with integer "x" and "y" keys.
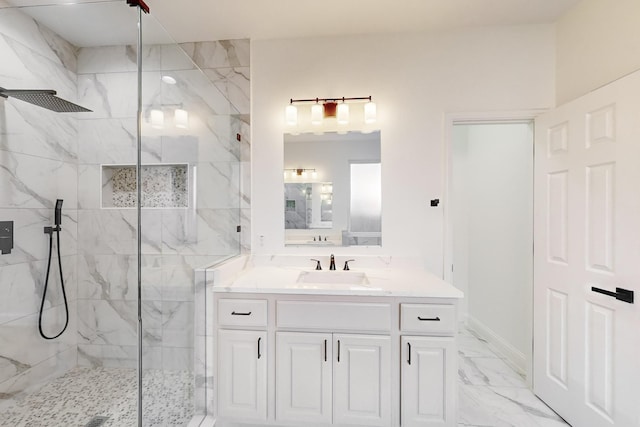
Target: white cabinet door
{"x": 428, "y": 381}
{"x": 242, "y": 374}
{"x": 362, "y": 380}
{"x": 303, "y": 377}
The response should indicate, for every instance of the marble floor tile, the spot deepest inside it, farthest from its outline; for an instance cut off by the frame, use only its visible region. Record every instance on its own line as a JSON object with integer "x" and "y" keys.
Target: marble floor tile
{"x": 491, "y": 394}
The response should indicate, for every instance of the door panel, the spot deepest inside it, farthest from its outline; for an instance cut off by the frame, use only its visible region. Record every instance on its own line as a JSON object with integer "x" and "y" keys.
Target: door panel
{"x": 600, "y": 214}
{"x": 242, "y": 374}
{"x": 362, "y": 380}
{"x": 587, "y": 228}
{"x": 557, "y": 336}
{"x": 427, "y": 398}
{"x": 303, "y": 377}
{"x": 557, "y": 218}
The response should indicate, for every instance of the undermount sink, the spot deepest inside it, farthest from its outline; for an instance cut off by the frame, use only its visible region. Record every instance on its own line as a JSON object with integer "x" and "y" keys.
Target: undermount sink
{"x": 333, "y": 277}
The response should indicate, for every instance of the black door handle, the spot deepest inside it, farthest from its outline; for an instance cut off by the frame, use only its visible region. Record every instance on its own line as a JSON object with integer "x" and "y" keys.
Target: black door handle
{"x": 620, "y": 294}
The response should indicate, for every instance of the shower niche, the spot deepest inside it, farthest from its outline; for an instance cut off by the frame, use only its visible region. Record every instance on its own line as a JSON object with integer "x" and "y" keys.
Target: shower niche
{"x": 163, "y": 186}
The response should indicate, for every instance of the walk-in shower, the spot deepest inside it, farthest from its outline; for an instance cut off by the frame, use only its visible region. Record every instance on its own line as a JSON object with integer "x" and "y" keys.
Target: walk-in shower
{"x": 145, "y": 203}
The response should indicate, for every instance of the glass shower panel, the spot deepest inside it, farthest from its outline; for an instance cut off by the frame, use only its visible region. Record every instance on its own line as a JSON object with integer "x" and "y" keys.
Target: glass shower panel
{"x": 190, "y": 216}
{"x": 83, "y": 52}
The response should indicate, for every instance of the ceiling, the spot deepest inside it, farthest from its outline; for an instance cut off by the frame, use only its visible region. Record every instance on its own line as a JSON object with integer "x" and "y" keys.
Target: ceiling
{"x": 103, "y": 22}
{"x": 191, "y": 20}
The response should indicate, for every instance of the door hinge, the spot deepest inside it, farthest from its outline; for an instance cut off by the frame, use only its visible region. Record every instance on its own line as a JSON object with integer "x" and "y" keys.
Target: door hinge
{"x": 238, "y": 228}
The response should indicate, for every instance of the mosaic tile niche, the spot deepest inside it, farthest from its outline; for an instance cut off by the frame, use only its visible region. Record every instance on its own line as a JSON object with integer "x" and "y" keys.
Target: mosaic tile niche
{"x": 163, "y": 186}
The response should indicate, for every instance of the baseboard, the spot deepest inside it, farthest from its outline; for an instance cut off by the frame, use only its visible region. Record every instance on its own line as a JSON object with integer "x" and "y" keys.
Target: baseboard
{"x": 514, "y": 357}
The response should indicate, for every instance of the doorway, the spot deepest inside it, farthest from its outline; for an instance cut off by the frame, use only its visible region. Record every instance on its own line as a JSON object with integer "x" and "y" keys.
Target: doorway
{"x": 490, "y": 215}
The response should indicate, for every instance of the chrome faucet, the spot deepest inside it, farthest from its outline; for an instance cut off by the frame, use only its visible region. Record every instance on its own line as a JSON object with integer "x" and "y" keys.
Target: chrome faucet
{"x": 332, "y": 264}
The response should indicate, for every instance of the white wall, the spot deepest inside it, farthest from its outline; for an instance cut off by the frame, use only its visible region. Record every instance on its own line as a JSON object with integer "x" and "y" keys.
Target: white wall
{"x": 414, "y": 79}
{"x": 493, "y": 231}
{"x": 598, "y": 42}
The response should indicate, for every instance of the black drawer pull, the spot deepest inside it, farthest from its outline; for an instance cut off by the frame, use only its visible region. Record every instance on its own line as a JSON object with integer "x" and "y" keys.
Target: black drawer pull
{"x": 620, "y": 294}
{"x": 428, "y": 319}
{"x": 233, "y": 313}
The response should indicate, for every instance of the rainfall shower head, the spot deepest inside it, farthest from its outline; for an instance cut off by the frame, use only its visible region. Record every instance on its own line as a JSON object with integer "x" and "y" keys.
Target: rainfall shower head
{"x": 45, "y": 99}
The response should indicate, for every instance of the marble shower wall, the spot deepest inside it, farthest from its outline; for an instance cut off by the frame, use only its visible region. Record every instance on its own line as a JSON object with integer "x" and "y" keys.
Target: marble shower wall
{"x": 175, "y": 240}
{"x": 38, "y": 164}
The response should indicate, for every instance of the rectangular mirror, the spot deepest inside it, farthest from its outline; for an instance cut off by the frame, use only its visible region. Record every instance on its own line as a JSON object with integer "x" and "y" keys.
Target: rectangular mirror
{"x": 332, "y": 189}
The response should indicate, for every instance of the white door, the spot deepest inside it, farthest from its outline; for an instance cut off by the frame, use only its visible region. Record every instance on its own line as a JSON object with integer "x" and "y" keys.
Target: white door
{"x": 587, "y": 235}
{"x": 242, "y": 374}
{"x": 303, "y": 377}
{"x": 362, "y": 380}
{"x": 427, "y": 397}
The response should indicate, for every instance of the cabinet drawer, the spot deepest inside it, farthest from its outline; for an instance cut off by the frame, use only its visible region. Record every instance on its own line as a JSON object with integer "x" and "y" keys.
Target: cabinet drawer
{"x": 242, "y": 312}
{"x": 334, "y": 316}
{"x": 428, "y": 318}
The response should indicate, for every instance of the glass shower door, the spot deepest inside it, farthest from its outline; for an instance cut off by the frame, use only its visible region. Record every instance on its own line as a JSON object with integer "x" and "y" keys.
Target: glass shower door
{"x": 190, "y": 184}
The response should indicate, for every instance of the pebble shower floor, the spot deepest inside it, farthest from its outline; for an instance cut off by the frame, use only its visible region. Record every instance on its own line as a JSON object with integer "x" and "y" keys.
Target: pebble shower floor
{"x": 74, "y": 399}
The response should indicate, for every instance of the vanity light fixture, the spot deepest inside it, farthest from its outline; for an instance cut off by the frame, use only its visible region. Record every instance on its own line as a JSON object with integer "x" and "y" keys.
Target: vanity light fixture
{"x": 157, "y": 119}
{"x": 324, "y": 108}
{"x": 181, "y": 118}
{"x": 317, "y": 111}
{"x": 343, "y": 114}
{"x": 370, "y": 113}
{"x": 300, "y": 173}
{"x": 291, "y": 115}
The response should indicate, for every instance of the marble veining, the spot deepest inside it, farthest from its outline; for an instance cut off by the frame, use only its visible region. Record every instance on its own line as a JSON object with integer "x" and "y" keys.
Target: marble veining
{"x": 490, "y": 393}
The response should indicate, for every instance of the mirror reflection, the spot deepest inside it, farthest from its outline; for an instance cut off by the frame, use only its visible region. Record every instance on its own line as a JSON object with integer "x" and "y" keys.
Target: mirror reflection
{"x": 332, "y": 189}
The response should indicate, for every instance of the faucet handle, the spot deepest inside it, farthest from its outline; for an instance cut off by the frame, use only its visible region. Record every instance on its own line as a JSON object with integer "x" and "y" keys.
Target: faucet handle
{"x": 318, "y": 266}
{"x": 346, "y": 264}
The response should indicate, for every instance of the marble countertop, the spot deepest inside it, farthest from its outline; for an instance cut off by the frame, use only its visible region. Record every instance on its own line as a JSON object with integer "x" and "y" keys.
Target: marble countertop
{"x": 391, "y": 282}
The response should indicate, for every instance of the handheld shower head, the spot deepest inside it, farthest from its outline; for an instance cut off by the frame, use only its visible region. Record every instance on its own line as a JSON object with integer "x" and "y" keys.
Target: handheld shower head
{"x": 58, "y": 212}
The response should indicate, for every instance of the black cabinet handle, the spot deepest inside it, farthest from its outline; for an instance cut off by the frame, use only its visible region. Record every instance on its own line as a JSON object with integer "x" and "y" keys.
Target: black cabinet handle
{"x": 338, "y": 351}
{"x": 409, "y": 357}
{"x": 428, "y": 319}
{"x": 325, "y": 350}
{"x": 233, "y": 313}
{"x": 259, "y": 355}
{"x": 620, "y": 294}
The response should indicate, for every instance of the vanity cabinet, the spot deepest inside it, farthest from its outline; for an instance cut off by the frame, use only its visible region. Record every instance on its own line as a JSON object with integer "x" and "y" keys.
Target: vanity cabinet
{"x": 428, "y": 375}
{"x": 335, "y": 360}
{"x": 242, "y": 374}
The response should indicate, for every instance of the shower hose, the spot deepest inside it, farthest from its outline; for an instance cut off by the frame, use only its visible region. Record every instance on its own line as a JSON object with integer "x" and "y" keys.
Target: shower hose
{"x": 50, "y": 230}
